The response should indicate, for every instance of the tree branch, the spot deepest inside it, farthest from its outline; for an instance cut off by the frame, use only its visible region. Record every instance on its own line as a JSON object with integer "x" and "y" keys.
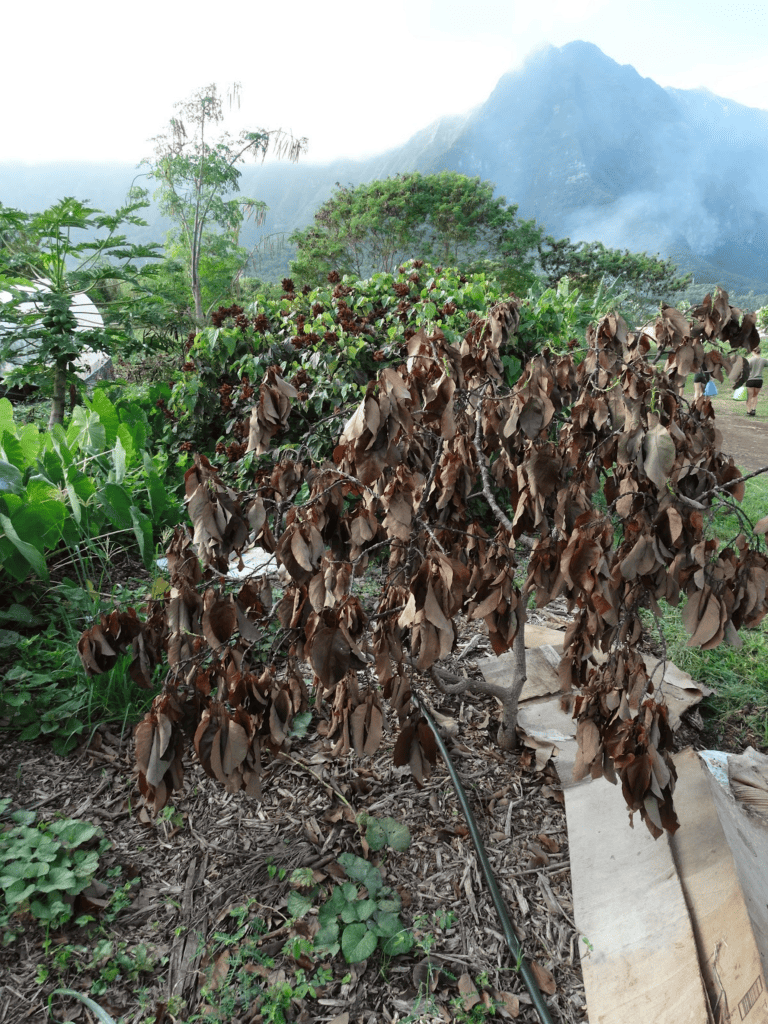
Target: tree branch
{"x": 500, "y": 516}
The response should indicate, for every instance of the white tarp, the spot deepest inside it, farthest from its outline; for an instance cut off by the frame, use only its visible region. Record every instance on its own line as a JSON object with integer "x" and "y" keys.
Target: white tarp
{"x": 88, "y": 318}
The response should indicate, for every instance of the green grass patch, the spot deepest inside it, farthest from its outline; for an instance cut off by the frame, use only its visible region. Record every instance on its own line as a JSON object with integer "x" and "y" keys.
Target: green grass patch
{"x": 738, "y": 677}
{"x": 725, "y": 525}
{"x": 47, "y": 695}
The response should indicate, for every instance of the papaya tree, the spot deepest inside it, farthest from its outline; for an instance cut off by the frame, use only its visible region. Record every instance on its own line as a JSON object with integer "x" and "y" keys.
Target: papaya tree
{"x": 438, "y": 472}
{"x": 49, "y": 259}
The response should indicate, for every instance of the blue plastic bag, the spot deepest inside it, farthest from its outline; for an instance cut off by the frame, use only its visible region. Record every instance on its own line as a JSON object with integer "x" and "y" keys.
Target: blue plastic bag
{"x": 711, "y": 389}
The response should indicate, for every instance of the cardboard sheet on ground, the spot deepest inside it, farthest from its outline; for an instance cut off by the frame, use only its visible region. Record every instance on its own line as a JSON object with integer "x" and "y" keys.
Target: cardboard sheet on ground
{"x": 544, "y": 726}
{"x": 678, "y": 926}
{"x": 641, "y": 964}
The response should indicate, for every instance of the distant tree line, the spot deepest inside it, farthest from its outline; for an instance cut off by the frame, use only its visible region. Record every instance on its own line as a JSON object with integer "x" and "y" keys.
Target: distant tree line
{"x": 454, "y": 220}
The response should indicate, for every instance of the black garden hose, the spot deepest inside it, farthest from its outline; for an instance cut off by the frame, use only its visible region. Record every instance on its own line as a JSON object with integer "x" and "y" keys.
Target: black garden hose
{"x": 514, "y": 946}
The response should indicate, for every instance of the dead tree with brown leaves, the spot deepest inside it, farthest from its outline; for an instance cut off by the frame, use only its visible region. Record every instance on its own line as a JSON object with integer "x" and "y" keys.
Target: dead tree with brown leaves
{"x": 441, "y": 469}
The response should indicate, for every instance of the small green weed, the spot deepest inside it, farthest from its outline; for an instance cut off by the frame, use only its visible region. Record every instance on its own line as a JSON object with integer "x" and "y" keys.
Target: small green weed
{"x": 275, "y": 872}
{"x": 105, "y": 964}
{"x": 120, "y": 899}
{"x": 381, "y": 832}
{"x": 355, "y": 924}
{"x": 426, "y": 927}
{"x": 42, "y": 866}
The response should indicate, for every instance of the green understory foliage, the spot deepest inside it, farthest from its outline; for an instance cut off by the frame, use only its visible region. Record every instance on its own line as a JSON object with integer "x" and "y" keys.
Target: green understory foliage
{"x": 43, "y": 866}
{"x": 46, "y": 695}
{"x": 62, "y": 492}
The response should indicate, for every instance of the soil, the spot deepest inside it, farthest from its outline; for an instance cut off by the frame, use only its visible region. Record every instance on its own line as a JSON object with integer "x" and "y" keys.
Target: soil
{"x": 745, "y": 438}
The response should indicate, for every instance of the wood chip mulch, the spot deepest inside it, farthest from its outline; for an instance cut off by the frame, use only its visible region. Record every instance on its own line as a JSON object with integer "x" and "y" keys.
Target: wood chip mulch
{"x": 219, "y": 862}
{"x": 196, "y": 899}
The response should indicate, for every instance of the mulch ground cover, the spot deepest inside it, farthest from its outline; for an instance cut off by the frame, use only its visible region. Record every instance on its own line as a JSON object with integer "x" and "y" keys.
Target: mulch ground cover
{"x": 211, "y": 879}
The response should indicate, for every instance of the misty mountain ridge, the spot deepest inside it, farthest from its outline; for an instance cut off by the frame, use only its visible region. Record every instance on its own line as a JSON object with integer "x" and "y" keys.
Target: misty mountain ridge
{"x": 586, "y": 146}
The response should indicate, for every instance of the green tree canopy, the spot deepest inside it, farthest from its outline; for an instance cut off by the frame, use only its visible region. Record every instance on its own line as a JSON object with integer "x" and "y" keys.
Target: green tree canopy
{"x": 197, "y": 177}
{"x": 447, "y": 218}
{"x": 589, "y": 263}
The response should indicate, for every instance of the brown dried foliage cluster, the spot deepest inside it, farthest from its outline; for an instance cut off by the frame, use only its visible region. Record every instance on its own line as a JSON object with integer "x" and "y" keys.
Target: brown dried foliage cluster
{"x": 437, "y": 447}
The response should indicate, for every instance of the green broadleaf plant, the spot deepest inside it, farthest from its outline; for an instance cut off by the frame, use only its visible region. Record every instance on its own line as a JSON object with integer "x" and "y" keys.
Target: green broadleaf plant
{"x": 42, "y": 867}
{"x": 61, "y": 489}
{"x": 362, "y": 914}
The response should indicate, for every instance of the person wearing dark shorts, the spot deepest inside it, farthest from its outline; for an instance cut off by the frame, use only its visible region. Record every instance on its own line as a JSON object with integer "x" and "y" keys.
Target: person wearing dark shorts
{"x": 757, "y": 365}
{"x": 700, "y": 379}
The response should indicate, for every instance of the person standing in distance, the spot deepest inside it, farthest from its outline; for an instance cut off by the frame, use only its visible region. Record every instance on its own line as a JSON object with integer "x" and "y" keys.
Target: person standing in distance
{"x": 757, "y": 365}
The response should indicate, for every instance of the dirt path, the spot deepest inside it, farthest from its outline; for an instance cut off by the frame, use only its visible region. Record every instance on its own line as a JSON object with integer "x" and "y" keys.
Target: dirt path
{"x": 744, "y": 437}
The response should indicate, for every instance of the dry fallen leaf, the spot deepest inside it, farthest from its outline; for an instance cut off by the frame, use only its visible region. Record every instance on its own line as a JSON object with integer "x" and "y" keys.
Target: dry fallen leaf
{"x": 468, "y": 991}
{"x": 544, "y": 978}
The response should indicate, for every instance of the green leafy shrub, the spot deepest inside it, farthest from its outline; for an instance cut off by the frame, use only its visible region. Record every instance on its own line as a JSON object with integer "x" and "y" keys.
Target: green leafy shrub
{"x": 328, "y": 342}
{"x": 64, "y": 489}
{"x": 553, "y": 316}
{"x": 42, "y": 866}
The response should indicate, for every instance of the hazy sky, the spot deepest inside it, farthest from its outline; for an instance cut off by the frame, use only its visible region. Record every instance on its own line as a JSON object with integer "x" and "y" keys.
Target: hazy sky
{"x": 89, "y": 81}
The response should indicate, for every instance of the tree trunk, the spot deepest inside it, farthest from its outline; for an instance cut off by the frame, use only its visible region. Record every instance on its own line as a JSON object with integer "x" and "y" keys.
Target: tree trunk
{"x": 198, "y": 297}
{"x": 59, "y": 392}
{"x": 507, "y": 737}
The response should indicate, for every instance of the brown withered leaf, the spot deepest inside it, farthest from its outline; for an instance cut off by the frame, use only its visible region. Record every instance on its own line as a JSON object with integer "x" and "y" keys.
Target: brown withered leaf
{"x": 219, "y": 619}
{"x": 300, "y": 551}
{"x": 144, "y": 735}
{"x": 468, "y": 991}
{"x": 237, "y": 748}
{"x": 329, "y": 654}
{"x": 416, "y": 747}
{"x": 366, "y": 724}
{"x": 538, "y": 858}
{"x": 701, "y": 617}
{"x": 507, "y": 1003}
{"x": 162, "y": 752}
{"x": 640, "y": 560}
{"x": 589, "y": 748}
{"x": 658, "y": 455}
{"x": 548, "y": 842}
{"x": 202, "y": 512}
{"x": 544, "y": 978}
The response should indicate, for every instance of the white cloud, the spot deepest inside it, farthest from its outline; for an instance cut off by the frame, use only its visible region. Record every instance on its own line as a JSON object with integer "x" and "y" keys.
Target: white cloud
{"x": 747, "y": 82}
